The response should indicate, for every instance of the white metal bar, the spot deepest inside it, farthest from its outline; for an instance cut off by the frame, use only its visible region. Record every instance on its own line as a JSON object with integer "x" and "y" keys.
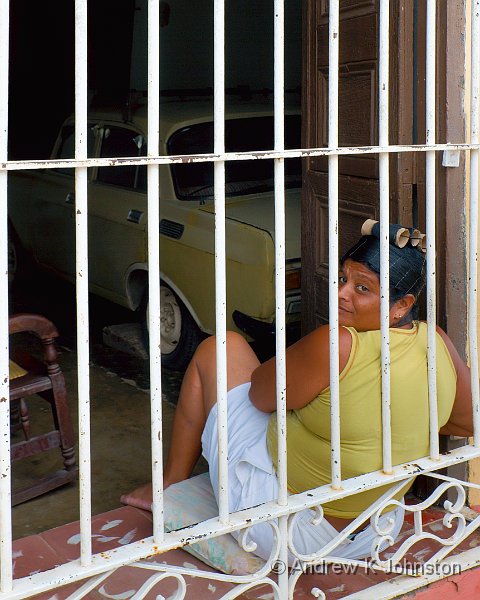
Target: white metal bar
{"x": 473, "y": 242}
{"x": 220, "y": 261}
{"x": 333, "y": 240}
{"x": 154, "y": 270}
{"x": 5, "y": 469}
{"x": 430, "y": 226}
{"x": 81, "y": 230}
{"x": 227, "y": 156}
{"x": 279, "y": 109}
{"x": 383, "y": 129}
{"x": 280, "y": 340}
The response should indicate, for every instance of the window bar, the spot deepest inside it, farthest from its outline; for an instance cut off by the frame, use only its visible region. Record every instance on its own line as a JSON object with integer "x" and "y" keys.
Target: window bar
{"x": 383, "y": 116}
{"x": 6, "y": 573}
{"x": 430, "y": 227}
{"x": 81, "y": 229}
{"x": 279, "y": 110}
{"x": 154, "y": 270}
{"x": 473, "y": 250}
{"x": 333, "y": 240}
{"x": 280, "y": 340}
{"x": 220, "y": 262}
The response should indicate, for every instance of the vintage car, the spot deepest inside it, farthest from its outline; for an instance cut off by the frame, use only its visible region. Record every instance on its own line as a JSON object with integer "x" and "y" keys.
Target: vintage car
{"x": 41, "y": 219}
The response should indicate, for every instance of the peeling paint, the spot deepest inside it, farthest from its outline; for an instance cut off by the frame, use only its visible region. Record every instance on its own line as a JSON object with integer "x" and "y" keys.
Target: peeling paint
{"x": 111, "y": 524}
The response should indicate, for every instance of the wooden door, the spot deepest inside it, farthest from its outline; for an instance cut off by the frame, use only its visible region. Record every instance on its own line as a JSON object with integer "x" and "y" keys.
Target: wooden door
{"x": 358, "y": 126}
{"x": 358, "y": 176}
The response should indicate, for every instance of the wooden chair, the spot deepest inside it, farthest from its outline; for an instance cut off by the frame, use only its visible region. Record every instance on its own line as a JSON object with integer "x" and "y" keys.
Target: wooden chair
{"x": 43, "y": 378}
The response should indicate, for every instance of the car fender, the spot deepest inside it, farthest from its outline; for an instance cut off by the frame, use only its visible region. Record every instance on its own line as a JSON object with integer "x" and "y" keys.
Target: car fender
{"x": 136, "y": 283}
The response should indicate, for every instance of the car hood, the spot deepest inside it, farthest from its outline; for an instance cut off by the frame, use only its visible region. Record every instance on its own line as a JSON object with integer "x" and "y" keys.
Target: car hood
{"x": 258, "y": 211}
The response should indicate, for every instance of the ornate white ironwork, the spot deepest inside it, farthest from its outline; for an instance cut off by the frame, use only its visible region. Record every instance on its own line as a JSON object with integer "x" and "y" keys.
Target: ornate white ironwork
{"x": 318, "y": 517}
{"x": 453, "y": 513}
{"x": 154, "y": 579}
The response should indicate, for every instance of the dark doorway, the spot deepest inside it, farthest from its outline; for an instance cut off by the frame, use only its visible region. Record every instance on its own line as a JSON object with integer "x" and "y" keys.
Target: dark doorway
{"x": 42, "y": 66}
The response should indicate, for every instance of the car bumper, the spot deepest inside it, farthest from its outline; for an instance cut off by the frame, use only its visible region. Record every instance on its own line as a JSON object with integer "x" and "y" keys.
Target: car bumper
{"x": 263, "y": 331}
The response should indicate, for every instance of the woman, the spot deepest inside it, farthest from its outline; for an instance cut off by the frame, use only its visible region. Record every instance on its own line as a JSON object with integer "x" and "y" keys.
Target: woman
{"x": 252, "y": 400}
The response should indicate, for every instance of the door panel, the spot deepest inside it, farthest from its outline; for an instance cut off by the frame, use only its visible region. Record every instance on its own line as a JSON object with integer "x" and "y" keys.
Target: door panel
{"x": 53, "y": 203}
{"x": 358, "y": 126}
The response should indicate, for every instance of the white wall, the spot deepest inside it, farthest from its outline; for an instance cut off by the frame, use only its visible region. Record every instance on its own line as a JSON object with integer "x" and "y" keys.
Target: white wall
{"x": 186, "y": 44}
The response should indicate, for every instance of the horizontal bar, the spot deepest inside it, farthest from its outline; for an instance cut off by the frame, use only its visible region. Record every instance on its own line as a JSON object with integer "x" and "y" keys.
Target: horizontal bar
{"x": 17, "y": 165}
{"x": 113, "y": 559}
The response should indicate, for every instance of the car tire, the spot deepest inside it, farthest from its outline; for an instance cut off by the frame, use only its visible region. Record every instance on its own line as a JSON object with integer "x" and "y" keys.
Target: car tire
{"x": 179, "y": 334}
{"x": 19, "y": 264}
{"x": 12, "y": 259}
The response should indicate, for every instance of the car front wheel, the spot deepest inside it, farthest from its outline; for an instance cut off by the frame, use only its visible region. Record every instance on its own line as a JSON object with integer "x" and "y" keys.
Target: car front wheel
{"x": 19, "y": 263}
{"x": 12, "y": 259}
{"x": 179, "y": 334}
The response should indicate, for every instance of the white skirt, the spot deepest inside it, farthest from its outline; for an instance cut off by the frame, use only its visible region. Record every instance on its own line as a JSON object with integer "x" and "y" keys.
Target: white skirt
{"x": 252, "y": 481}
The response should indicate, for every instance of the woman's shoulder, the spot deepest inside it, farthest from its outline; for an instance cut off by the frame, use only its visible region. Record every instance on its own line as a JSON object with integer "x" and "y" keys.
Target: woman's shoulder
{"x": 318, "y": 341}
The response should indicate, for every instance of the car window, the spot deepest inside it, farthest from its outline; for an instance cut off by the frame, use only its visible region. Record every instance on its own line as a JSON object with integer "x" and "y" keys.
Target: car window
{"x": 117, "y": 141}
{"x": 195, "y": 180}
{"x": 66, "y": 149}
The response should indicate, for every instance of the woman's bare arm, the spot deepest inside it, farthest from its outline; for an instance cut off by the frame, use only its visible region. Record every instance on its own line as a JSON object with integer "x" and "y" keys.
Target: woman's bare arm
{"x": 308, "y": 370}
{"x": 461, "y": 418}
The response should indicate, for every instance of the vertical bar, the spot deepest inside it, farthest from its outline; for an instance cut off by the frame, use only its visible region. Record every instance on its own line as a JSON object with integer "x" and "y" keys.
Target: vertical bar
{"x": 5, "y": 470}
{"x": 81, "y": 231}
{"x": 383, "y": 115}
{"x": 430, "y": 227}
{"x": 154, "y": 268}
{"x": 333, "y": 239}
{"x": 280, "y": 340}
{"x": 473, "y": 250}
{"x": 279, "y": 110}
{"x": 220, "y": 268}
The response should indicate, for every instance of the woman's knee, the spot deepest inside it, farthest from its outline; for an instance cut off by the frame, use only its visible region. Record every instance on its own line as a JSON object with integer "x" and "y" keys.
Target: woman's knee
{"x": 241, "y": 360}
{"x": 207, "y": 348}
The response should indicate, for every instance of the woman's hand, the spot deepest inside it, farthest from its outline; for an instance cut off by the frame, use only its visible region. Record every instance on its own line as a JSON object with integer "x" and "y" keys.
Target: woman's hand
{"x": 308, "y": 370}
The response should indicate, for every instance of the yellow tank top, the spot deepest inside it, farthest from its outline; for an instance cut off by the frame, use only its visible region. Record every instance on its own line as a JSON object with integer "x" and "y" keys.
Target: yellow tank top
{"x": 308, "y": 429}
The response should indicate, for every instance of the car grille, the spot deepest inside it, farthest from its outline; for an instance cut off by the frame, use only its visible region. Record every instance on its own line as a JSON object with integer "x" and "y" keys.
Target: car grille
{"x": 171, "y": 229}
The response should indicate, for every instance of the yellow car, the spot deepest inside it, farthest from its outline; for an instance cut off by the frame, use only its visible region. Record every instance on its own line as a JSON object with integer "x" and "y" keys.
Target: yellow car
{"x": 41, "y": 213}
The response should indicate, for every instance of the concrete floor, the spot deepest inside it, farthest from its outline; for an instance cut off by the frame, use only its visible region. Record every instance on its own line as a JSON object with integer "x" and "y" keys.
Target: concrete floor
{"x": 120, "y": 437}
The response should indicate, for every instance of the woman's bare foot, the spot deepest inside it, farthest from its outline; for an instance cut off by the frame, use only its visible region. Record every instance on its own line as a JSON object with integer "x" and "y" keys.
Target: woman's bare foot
{"x": 141, "y": 497}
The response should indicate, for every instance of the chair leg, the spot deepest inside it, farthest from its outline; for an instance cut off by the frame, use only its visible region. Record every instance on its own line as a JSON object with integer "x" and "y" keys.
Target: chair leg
{"x": 24, "y": 419}
{"x": 57, "y": 396}
{"x": 14, "y": 416}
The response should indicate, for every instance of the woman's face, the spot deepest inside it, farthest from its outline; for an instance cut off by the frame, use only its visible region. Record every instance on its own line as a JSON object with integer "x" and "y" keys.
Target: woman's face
{"x": 359, "y": 297}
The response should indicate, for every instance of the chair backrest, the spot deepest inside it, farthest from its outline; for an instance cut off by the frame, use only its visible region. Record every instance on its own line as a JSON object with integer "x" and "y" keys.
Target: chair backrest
{"x": 41, "y": 328}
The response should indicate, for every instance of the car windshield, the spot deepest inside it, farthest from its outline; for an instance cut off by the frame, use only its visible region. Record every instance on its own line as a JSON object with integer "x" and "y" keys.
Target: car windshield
{"x": 194, "y": 181}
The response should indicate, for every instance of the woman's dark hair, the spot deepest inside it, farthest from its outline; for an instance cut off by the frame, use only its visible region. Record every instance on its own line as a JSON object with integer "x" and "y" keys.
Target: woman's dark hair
{"x": 407, "y": 267}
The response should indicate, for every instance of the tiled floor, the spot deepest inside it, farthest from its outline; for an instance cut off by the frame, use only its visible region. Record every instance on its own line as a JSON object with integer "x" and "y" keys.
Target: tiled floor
{"x": 124, "y": 525}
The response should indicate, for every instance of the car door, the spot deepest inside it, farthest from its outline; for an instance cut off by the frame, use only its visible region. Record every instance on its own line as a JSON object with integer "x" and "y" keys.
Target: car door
{"x": 52, "y": 204}
{"x": 117, "y": 213}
